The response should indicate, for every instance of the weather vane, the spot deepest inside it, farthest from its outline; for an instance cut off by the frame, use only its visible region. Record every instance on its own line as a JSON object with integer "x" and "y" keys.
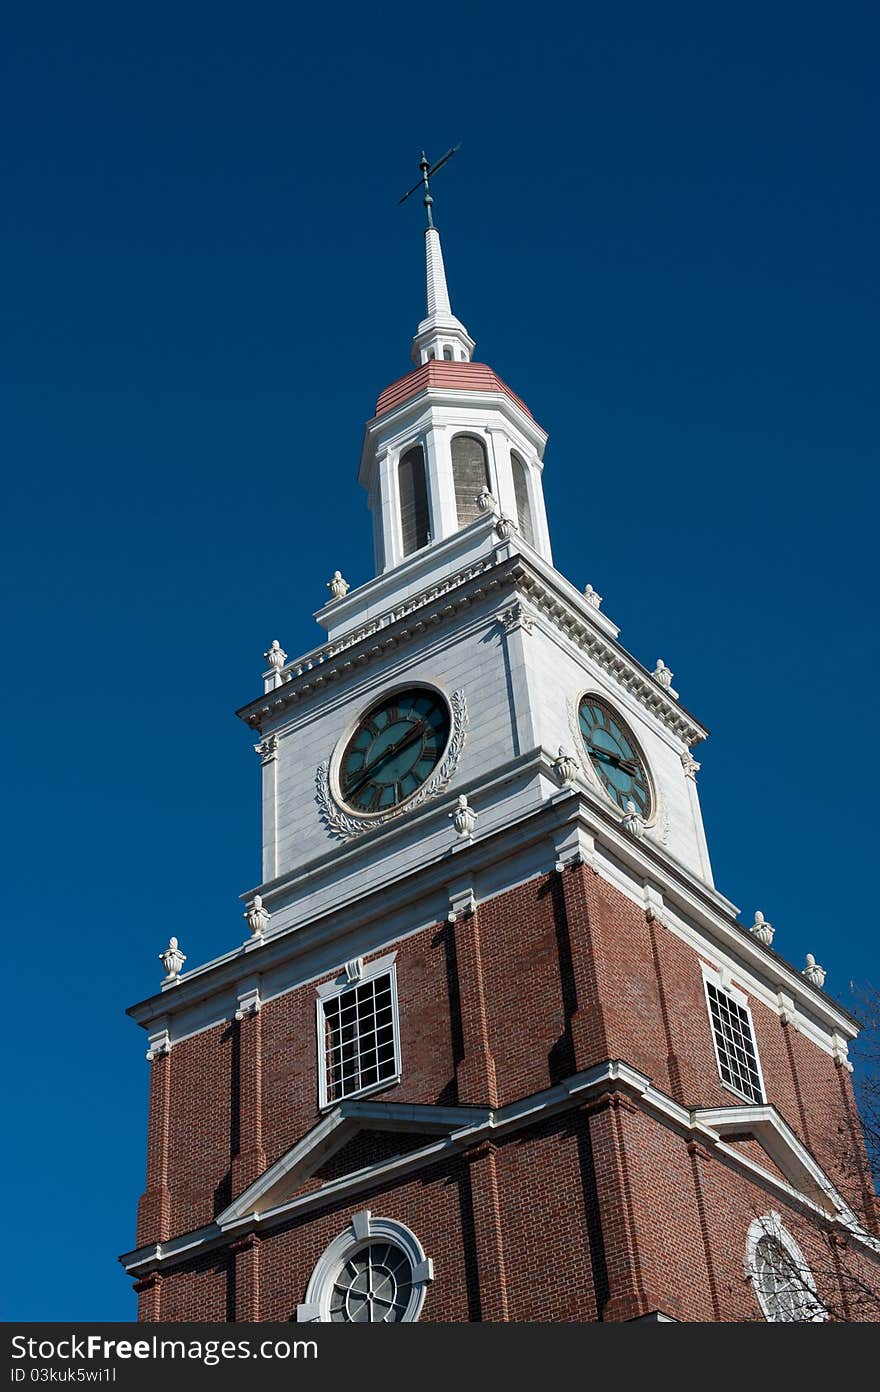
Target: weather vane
{"x": 428, "y": 170}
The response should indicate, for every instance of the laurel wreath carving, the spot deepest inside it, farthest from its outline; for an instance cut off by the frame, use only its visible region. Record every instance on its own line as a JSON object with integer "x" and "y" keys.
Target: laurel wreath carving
{"x": 347, "y": 825}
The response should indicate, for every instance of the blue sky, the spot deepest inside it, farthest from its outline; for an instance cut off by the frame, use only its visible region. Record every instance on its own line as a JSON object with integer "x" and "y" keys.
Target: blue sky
{"x": 661, "y": 229}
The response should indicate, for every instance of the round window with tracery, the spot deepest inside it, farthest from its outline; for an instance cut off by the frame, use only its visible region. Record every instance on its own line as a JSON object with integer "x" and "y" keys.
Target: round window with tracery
{"x": 374, "y": 1286}
{"x": 782, "y": 1281}
{"x": 374, "y": 1272}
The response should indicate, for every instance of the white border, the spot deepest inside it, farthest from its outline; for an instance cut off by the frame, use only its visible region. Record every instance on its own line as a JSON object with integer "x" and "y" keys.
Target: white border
{"x": 383, "y": 966}
{"x": 770, "y": 1226}
{"x": 728, "y": 989}
{"x": 363, "y": 1230}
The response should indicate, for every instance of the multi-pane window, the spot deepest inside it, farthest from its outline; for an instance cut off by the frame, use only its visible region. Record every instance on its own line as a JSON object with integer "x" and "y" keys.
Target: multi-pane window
{"x": 359, "y": 1038}
{"x": 734, "y": 1044}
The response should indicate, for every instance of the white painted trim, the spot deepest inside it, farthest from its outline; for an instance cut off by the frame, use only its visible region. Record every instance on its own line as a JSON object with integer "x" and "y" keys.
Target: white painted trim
{"x": 332, "y": 1132}
{"x": 343, "y": 982}
{"x": 462, "y": 1128}
{"x": 693, "y": 911}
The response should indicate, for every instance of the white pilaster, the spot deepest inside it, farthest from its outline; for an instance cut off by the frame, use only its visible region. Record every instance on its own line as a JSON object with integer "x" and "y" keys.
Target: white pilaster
{"x": 389, "y": 545}
{"x": 504, "y": 490}
{"x": 441, "y": 490}
{"x": 268, "y": 752}
{"x": 539, "y": 510}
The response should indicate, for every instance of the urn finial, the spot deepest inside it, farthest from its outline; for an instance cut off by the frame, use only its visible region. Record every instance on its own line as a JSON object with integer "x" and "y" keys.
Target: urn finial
{"x": 276, "y": 657}
{"x": 256, "y": 917}
{"x": 633, "y": 822}
{"x": 813, "y": 972}
{"x": 172, "y": 960}
{"x": 762, "y": 930}
{"x": 463, "y": 817}
{"x": 565, "y": 767}
{"x": 338, "y": 587}
{"x": 662, "y": 674}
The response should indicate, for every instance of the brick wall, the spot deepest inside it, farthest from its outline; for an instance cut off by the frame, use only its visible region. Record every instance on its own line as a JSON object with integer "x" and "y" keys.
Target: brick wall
{"x": 601, "y": 1214}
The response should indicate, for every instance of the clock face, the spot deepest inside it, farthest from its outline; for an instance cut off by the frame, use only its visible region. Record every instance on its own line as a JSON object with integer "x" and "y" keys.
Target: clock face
{"x": 394, "y": 750}
{"x": 614, "y": 756}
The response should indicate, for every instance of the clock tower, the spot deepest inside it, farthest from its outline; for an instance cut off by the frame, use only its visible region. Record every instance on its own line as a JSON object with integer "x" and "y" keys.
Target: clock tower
{"x": 494, "y": 1047}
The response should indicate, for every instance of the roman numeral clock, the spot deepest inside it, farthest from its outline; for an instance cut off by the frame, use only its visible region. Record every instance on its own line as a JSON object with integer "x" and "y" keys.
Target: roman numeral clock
{"x": 394, "y": 749}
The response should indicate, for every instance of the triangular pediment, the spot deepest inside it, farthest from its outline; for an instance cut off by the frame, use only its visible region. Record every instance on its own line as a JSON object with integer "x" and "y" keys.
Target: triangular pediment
{"x": 760, "y": 1136}
{"x": 352, "y": 1138}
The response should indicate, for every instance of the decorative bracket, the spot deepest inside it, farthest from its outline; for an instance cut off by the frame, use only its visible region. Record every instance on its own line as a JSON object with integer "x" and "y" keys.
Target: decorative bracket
{"x": 575, "y": 846}
{"x": 462, "y": 904}
{"x": 653, "y": 903}
{"x": 160, "y": 1043}
{"x": 517, "y": 618}
{"x": 249, "y": 1002}
{"x": 267, "y": 749}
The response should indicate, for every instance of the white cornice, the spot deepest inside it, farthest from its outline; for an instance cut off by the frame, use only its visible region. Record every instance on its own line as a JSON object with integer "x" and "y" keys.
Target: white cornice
{"x": 690, "y": 908}
{"x": 506, "y": 570}
{"x": 463, "y": 1128}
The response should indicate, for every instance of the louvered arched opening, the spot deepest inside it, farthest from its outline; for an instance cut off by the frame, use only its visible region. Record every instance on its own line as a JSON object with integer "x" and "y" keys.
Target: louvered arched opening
{"x": 413, "y": 490}
{"x": 521, "y": 490}
{"x": 470, "y": 474}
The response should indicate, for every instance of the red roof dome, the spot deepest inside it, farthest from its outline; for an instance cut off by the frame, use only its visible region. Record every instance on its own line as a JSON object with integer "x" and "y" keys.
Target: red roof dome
{"x": 462, "y": 376}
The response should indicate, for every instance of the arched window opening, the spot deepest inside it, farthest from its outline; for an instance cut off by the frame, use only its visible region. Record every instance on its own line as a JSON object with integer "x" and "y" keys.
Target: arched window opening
{"x": 413, "y": 500}
{"x": 447, "y": 355}
{"x": 521, "y": 489}
{"x": 470, "y": 474}
{"x": 781, "y": 1279}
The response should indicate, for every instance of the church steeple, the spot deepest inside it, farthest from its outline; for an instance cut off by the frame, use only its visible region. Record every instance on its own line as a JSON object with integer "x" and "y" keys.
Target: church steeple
{"x": 440, "y": 335}
{"x": 451, "y": 448}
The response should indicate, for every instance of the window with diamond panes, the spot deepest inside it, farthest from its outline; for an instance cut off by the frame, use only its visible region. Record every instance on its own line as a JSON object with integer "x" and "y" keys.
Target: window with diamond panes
{"x": 734, "y": 1044}
{"x": 360, "y": 1046}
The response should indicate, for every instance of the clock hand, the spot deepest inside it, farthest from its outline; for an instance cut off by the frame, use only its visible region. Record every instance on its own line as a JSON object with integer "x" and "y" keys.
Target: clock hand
{"x": 628, "y": 765}
{"x": 366, "y": 772}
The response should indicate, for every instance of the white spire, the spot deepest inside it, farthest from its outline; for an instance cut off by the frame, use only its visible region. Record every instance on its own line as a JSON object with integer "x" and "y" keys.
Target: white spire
{"x": 440, "y": 335}
{"x": 438, "y": 295}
